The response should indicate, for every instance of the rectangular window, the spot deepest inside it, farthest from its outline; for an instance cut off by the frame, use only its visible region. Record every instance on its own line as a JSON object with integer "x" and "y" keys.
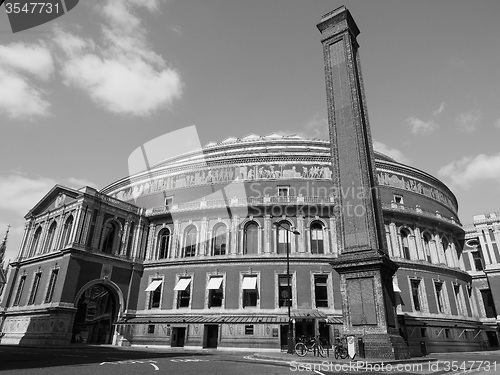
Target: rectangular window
{"x": 321, "y": 290}
{"x": 478, "y": 260}
{"x": 415, "y": 292}
{"x": 151, "y": 328}
{"x": 34, "y": 288}
{"x": 423, "y": 332}
{"x": 154, "y": 290}
{"x": 398, "y": 199}
{"x": 52, "y": 285}
{"x": 439, "y": 296}
{"x": 169, "y": 201}
{"x": 183, "y": 292}
{"x": 19, "y": 292}
{"x": 489, "y": 306}
{"x": 215, "y": 292}
{"x": 249, "y": 329}
{"x": 283, "y": 193}
{"x": 447, "y": 333}
{"x": 283, "y": 290}
{"x": 249, "y": 288}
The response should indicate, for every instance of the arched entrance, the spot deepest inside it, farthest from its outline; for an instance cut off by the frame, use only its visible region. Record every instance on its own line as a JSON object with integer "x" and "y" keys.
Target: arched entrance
{"x": 96, "y": 309}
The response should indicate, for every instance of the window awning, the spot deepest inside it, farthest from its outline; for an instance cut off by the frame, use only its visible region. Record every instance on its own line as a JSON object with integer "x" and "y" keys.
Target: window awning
{"x": 183, "y": 283}
{"x": 214, "y": 283}
{"x": 284, "y": 280}
{"x": 249, "y": 283}
{"x": 154, "y": 284}
{"x": 396, "y": 287}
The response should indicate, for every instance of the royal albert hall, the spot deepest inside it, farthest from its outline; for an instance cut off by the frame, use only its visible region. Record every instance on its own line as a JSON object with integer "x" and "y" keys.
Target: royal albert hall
{"x": 193, "y": 252}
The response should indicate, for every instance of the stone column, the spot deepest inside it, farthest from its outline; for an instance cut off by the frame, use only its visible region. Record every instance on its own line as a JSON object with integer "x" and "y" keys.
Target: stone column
{"x": 234, "y": 248}
{"x": 205, "y": 237}
{"x": 368, "y": 301}
{"x": 440, "y": 250}
{"x": 125, "y": 238}
{"x": 151, "y": 241}
{"x": 333, "y": 236}
{"x": 412, "y": 244}
{"x": 301, "y": 238}
{"x": 420, "y": 245}
{"x": 267, "y": 234}
{"x": 23, "y": 248}
{"x": 394, "y": 240}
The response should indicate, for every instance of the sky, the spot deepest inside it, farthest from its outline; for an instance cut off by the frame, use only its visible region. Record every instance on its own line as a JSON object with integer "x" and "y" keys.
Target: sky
{"x": 79, "y": 94}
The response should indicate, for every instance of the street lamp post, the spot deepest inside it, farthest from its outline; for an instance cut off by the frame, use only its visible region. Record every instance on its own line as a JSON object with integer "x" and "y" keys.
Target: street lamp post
{"x": 290, "y": 343}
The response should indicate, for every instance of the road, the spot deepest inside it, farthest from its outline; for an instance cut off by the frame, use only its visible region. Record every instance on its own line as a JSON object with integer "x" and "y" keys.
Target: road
{"x": 94, "y": 360}
{"x": 110, "y": 360}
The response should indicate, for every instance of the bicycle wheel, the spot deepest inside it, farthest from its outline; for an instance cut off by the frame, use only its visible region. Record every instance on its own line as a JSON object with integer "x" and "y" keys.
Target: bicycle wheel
{"x": 336, "y": 351}
{"x": 321, "y": 350}
{"x": 344, "y": 353}
{"x": 300, "y": 349}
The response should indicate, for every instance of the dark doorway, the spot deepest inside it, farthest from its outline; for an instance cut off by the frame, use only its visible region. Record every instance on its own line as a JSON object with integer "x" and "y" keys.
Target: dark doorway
{"x": 178, "y": 336}
{"x": 304, "y": 327}
{"x": 94, "y": 316}
{"x": 492, "y": 339}
{"x": 284, "y": 337}
{"x": 211, "y": 335}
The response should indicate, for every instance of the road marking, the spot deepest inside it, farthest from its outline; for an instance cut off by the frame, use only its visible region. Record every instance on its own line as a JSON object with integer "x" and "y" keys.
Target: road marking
{"x": 189, "y": 360}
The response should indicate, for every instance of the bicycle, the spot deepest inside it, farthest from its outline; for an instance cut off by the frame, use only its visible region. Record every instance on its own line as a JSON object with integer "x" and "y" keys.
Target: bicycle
{"x": 341, "y": 348}
{"x": 312, "y": 345}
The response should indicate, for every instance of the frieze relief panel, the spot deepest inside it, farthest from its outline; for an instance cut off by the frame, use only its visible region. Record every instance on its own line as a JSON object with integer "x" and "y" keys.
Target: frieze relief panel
{"x": 225, "y": 174}
{"x": 415, "y": 186}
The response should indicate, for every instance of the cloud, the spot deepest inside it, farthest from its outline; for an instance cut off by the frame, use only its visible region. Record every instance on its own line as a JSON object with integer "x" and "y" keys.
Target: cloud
{"x": 439, "y": 110}
{"x": 20, "y": 65}
{"x": 467, "y": 171}
{"x": 467, "y": 121}
{"x": 19, "y": 193}
{"x": 421, "y": 127}
{"x": 391, "y": 152}
{"x": 120, "y": 72}
{"x": 497, "y": 123}
{"x": 317, "y": 127}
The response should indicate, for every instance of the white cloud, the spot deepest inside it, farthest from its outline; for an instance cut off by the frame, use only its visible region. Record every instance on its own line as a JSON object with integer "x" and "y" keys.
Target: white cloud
{"x": 317, "y": 127}
{"x": 475, "y": 169}
{"x": 391, "y": 152}
{"x": 467, "y": 121}
{"x": 497, "y": 123}
{"x": 421, "y": 127}
{"x": 20, "y": 97}
{"x": 121, "y": 72}
{"x": 35, "y": 59}
{"x": 19, "y": 193}
{"x": 439, "y": 110}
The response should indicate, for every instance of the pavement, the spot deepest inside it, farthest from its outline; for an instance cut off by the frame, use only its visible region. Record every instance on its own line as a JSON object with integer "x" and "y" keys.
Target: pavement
{"x": 285, "y": 357}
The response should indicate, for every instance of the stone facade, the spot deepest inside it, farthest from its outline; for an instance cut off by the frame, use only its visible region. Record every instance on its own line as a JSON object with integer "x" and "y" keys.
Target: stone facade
{"x": 98, "y": 255}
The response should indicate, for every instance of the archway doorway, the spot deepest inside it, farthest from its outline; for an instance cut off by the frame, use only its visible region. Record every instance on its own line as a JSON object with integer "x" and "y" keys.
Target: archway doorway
{"x": 94, "y": 317}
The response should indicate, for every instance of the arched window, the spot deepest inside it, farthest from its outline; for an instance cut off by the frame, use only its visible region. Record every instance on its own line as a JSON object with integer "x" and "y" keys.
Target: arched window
{"x": 405, "y": 248}
{"x": 317, "y": 238}
{"x": 284, "y": 237}
{"x": 426, "y": 238}
{"x": 219, "y": 240}
{"x": 68, "y": 226}
{"x": 250, "y": 238}
{"x": 190, "y": 235}
{"x": 36, "y": 240}
{"x": 108, "y": 233}
{"x": 50, "y": 237}
{"x": 163, "y": 243}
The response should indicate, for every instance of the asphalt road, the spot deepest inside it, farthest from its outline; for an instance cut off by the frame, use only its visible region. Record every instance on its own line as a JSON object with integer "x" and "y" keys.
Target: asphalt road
{"x": 109, "y": 360}
{"x": 124, "y": 361}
